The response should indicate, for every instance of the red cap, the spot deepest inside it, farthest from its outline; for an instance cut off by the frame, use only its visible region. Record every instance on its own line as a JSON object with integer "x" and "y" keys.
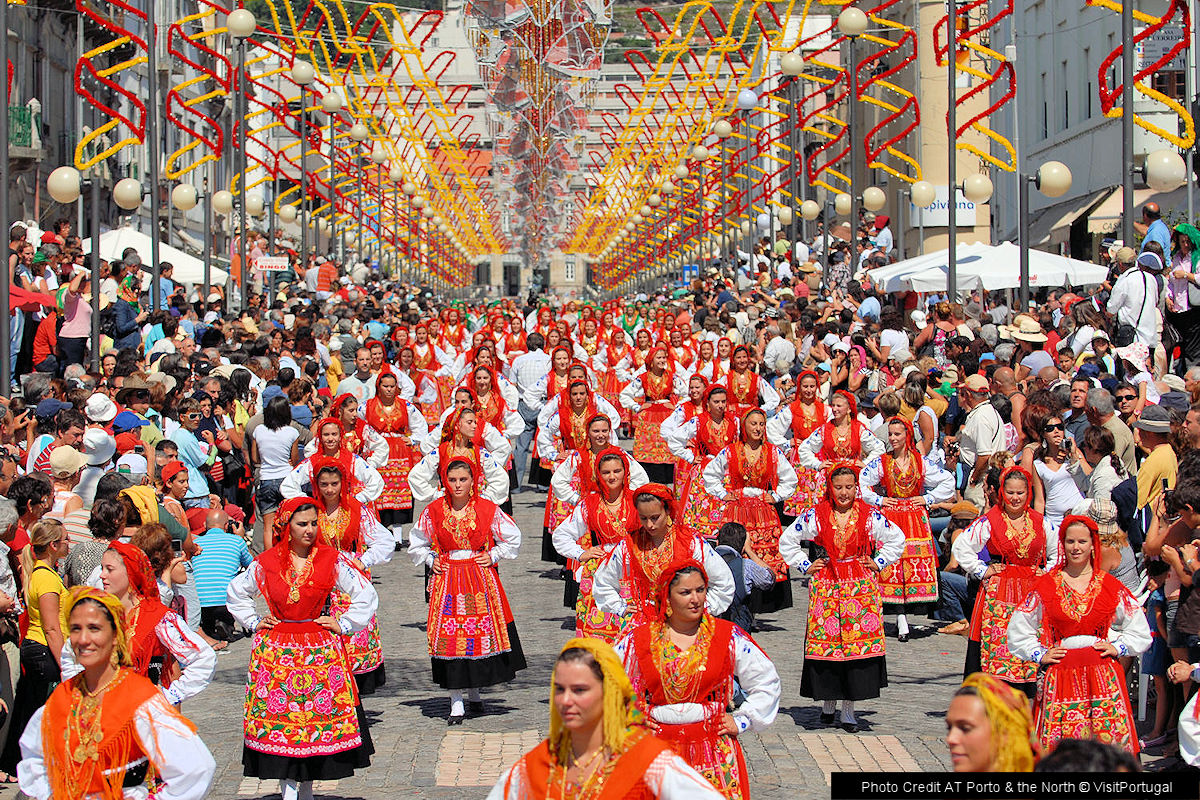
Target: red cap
{"x": 49, "y": 238}
{"x": 172, "y": 469}
{"x": 127, "y": 441}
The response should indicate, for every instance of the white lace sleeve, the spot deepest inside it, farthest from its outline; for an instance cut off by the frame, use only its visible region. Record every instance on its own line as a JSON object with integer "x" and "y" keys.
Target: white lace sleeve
{"x": 568, "y": 533}
{"x": 196, "y": 658}
{"x": 369, "y": 478}
{"x": 969, "y": 544}
{"x": 364, "y": 600}
{"x": 679, "y": 435}
{"x": 779, "y": 427}
{"x": 869, "y": 444}
{"x": 182, "y": 762}
{"x": 423, "y": 480}
{"x": 714, "y": 475}
{"x": 759, "y": 681}
{"x": 420, "y": 540}
{"x": 507, "y": 536}
{"x": 720, "y": 579}
{"x": 380, "y": 544}
{"x": 888, "y": 538}
{"x": 870, "y": 478}
{"x": 606, "y": 584}
{"x": 785, "y": 477}
{"x": 770, "y": 397}
{"x": 807, "y": 452}
{"x": 560, "y": 481}
{"x": 793, "y": 538}
{"x": 240, "y": 597}
{"x": 1024, "y": 629}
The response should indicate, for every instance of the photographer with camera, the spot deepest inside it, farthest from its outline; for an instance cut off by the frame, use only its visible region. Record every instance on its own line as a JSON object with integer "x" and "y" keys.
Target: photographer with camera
{"x": 222, "y": 555}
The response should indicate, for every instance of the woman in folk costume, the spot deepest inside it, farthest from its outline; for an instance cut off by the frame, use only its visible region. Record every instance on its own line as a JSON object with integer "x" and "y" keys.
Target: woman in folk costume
{"x": 907, "y": 483}
{"x": 598, "y": 747}
{"x": 432, "y": 359}
{"x": 600, "y": 521}
{"x": 746, "y": 389}
{"x": 684, "y": 664}
{"x": 544, "y": 321}
{"x": 625, "y": 583}
{"x": 514, "y": 341}
{"x": 696, "y": 442}
{"x": 748, "y": 477}
{"x": 682, "y": 353}
{"x": 454, "y": 332}
{"x": 637, "y": 358}
{"x": 565, "y": 419}
{"x": 576, "y": 475}
{"x": 472, "y": 638}
{"x": 615, "y": 350}
{"x": 460, "y": 439}
{"x": 843, "y": 438}
{"x": 691, "y": 407}
{"x": 708, "y": 365}
{"x": 788, "y": 430}
{"x": 1076, "y": 623}
{"x": 108, "y": 731}
{"x": 843, "y": 648}
{"x": 358, "y": 436}
{"x": 367, "y": 483}
{"x": 493, "y": 404}
{"x": 652, "y": 396}
{"x": 1021, "y": 545}
{"x": 400, "y": 424}
{"x": 425, "y": 393}
{"x": 492, "y": 438}
{"x": 302, "y": 725}
{"x": 536, "y": 396}
{"x": 353, "y": 529}
{"x": 158, "y": 638}
{"x": 589, "y": 337}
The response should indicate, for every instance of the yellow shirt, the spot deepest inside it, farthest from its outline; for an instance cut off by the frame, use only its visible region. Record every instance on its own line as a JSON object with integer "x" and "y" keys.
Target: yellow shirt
{"x": 1160, "y": 464}
{"x": 44, "y": 580}
{"x": 334, "y": 374}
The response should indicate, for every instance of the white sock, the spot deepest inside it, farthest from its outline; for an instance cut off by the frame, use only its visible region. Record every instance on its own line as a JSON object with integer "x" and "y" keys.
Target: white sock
{"x": 398, "y": 532}
{"x": 901, "y": 624}
{"x": 473, "y": 696}
{"x": 848, "y": 711}
{"x": 829, "y": 707}
{"x": 306, "y": 790}
{"x": 456, "y": 703}
{"x": 290, "y": 790}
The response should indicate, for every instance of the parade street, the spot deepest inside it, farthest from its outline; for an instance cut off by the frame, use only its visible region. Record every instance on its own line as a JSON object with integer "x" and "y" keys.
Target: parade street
{"x": 416, "y": 755}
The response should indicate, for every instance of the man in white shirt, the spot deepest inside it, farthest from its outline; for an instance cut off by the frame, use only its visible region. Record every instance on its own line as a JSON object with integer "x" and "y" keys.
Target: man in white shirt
{"x": 1135, "y": 296}
{"x": 981, "y": 435}
{"x": 779, "y": 354}
{"x": 362, "y": 383}
{"x": 526, "y": 370}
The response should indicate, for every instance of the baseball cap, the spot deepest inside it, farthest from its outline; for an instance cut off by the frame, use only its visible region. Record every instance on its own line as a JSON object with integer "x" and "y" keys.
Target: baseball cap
{"x": 132, "y": 464}
{"x": 171, "y": 469}
{"x": 127, "y": 441}
{"x": 49, "y": 407}
{"x": 127, "y": 421}
{"x": 975, "y": 383}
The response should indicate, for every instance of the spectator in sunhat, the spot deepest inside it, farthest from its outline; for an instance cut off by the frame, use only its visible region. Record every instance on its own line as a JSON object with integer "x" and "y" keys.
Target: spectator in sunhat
{"x": 1137, "y": 373}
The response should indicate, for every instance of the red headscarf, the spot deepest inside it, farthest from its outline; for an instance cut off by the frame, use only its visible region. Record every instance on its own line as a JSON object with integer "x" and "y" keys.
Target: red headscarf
{"x": 344, "y": 457}
{"x": 565, "y": 413}
{"x": 855, "y": 443}
{"x": 662, "y": 594}
{"x": 351, "y": 539}
{"x": 1096, "y": 619}
{"x": 496, "y": 407}
{"x": 144, "y": 644}
{"x": 737, "y": 459}
{"x": 910, "y": 444}
{"x": 998, "y": 522}
{"x": 836, "y": 544}
{"x": 594, "y": 495}
{"x": 663, "y": 493}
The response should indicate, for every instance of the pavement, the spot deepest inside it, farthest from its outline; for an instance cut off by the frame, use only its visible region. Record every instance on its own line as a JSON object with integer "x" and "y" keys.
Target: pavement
{"x": 417, "y": 755}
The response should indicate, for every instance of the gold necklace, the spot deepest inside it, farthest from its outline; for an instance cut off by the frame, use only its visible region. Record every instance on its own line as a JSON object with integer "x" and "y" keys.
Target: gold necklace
{"x": 296, "y": 578}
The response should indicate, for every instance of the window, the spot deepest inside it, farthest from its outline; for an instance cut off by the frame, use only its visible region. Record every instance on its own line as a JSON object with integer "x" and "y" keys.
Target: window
{"x": 569, "y": 270}
{"x": 1045, "y": 122}
{"x": 1066, "y": 97}
{"x": 1171, "y": 83}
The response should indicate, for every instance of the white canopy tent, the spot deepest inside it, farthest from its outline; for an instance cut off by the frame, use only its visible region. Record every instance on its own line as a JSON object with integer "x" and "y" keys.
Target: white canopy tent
{"x": 188, "y": 268}
{"x": 991, "y": 267}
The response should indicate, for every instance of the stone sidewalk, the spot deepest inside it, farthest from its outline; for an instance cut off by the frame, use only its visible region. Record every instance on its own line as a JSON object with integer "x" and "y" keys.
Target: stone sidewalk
{"x": 418, "y": 756}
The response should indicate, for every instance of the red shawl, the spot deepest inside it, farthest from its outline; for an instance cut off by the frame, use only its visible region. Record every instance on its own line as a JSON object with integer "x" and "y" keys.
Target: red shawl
{"x": 852, "y": 449}
{"x": 999, "y": 542}
{"x": 565, "y": 429}
{"x": 478, "y": 532}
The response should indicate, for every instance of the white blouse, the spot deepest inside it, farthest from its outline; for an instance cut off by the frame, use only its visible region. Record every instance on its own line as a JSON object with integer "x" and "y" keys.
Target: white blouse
{"x": 196, "y": 658}
{"x": 425, "y": 484}
{"x": 755, "y": 674}
{"x": 367, "y": 476}
{"x": 564, "y": 473}
{"x": 610, "y": 576}
{"x": 1130, "y": 632}
{"x": 495, "y": 442}
{"x": 886, "y": 537}
{"x": 938, "y": 488}
{"x": 868, "y": 443}
{"x": 185, "y": 768}
{"x": 505, "y": 533}
{"x": 717, "y": 470}
{"x": 633, "y": 396}
{"x": 668, "y": 778}
{"x": 779, "y": 427}
{"x": 374, "y": 445}
{"x": 380, "y": 544}
{"x": 967, "y": 546}
{"x": 550, "y": 426}
{"x": 364, "y": 601}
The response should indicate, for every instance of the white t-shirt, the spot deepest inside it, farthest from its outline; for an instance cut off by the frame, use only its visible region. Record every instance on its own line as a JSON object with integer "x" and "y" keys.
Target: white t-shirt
{"x": 275, "y": 451}
{"x": 1152, "y": 393}
{"x": 897, "y": 340}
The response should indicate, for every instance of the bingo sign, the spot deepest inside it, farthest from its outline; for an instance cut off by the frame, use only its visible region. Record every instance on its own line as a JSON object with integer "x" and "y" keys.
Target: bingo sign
{"x": 691, "y": 272}
{"x": 271, "y": 263}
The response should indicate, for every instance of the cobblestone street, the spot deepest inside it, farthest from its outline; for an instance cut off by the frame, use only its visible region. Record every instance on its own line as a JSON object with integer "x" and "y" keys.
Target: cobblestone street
{"x": 417, "y": 755}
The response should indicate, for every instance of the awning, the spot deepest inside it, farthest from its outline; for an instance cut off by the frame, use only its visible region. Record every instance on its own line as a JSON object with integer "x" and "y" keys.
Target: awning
{"x": 1106, "y": 218}
{"x": 1052, "y": 225}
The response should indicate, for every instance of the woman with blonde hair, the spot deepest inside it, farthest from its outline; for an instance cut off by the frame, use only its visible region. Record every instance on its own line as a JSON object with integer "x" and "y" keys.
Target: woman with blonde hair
{"x": 597, "y": 747}
{"x": 41, "y": 648}
{"x": 989, "y": 727}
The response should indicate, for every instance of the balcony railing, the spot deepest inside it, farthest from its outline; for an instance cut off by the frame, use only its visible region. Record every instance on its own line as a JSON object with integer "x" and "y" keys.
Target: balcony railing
{"x": 24, "y": 127}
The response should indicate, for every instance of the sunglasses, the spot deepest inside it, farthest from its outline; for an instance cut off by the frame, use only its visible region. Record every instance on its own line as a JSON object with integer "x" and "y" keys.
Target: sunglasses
{"x": 192, "y": 415}
{"x": 1122, "y": 398}
{"x": 1054, "y": 426}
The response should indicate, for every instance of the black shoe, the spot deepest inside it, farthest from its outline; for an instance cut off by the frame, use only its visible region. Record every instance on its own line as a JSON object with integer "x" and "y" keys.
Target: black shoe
{"x": 902, "y": 637}
{"x": 475, "y": 706}
{"x": 827, "y": 719}
{"x": 850, "y": 727}
{"x": 455, "y": 719}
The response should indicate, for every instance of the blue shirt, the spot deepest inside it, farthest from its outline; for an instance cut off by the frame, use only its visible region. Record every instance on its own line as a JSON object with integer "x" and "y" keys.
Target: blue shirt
{"x": 869, "y": 309}
{"x": 377, "y": 330}
{"x": 193, "y": 455}
{"x": 1158, "y": 232}
{"x": 165, "y": 287}
{"x": 222, "y": 556}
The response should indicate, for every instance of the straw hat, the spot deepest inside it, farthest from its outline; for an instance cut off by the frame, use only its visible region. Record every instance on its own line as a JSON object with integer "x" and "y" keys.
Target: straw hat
{"x": 1026, "y": 329}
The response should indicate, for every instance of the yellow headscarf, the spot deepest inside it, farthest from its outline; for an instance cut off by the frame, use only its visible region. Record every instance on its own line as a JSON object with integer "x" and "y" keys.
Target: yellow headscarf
{"x": 620, "y": 711}
{"x": 145, "y": 501}
{"x": 78, "y": 594}
{"x": 1008, "y": 714}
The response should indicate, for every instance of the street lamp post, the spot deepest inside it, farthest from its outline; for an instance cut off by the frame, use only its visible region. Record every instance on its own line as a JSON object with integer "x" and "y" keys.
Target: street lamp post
{"x": 1054, "y": 180}
{"x": 151, "y": 144}
{"x": 241, "y": 24}
{"x": 331, "y": 103}
{"x": 852, "y": 23}
{"x": 303, "y": 74}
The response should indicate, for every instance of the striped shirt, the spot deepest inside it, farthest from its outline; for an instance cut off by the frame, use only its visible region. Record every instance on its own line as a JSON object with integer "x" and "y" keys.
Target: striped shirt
{"x": 223, "y": 555}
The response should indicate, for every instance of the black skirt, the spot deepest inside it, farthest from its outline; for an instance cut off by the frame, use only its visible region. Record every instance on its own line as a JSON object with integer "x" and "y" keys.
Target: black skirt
{"x": 777, "y": 598}
{"x": 369, "y": 682}
{"x": 311, "y": 768}
{"x": 475, "y": 673}
{"x": 659, "y": 473}
{"x": 570, "y": 591}
{"x": 855, "y": 679}
{"x": 39, "y": 675}
{"x": 974, "y": 662}
{"x": 538, "y": 475}
{"x": 549, "y": 554}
